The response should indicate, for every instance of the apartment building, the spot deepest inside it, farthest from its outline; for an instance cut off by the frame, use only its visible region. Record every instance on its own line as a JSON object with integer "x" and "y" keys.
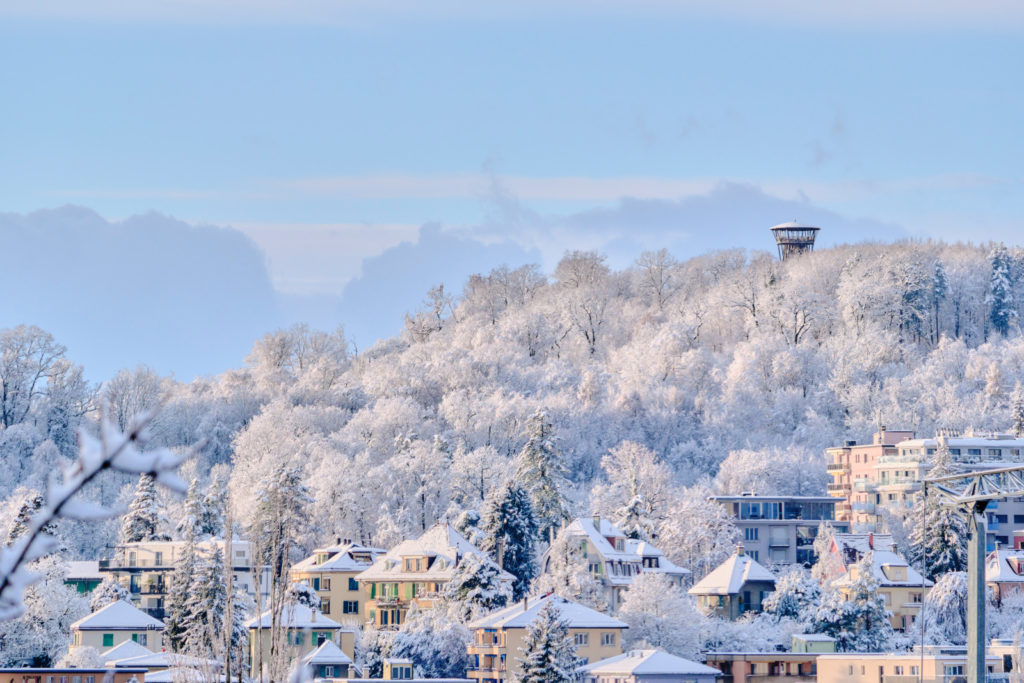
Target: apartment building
{"x": 498, "y": 638}
{"x": 735, "y": 587}
{"x": 331, "y": 571}
{"x": 615, "y": 559}
{"x": 145, "y": 569}
{"x": 781, "y": 529}
{"x": 852, "y": 467}
{"x": 414, "y": 571}
{"x": 117, "y": 623}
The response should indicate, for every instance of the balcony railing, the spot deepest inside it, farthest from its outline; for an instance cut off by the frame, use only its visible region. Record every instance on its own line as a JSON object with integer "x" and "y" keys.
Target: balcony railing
{"x": 837, "y": 488}
{"x": 863, "y": 506}
{"x": 837, "y": 467}
{"x": 864, "y": 485}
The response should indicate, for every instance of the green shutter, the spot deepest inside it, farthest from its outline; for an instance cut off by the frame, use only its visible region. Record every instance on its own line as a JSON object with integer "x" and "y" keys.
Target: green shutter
{"x": 373, "y": 590}
{"x": 108, "y": 640}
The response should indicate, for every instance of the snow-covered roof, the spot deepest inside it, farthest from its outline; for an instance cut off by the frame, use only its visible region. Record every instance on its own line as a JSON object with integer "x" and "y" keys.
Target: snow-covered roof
{"x": 84, "y": 569}
{"x": 297, "y": 616}
{"x": 342, "y": 558}
{"x": 814, "y": 637}
{"x": 644, "y": 549}
{"x": 1001, "y": 566}
{"x": 728, "y": 578}
{"x": 128, "y": 648}
{"x": 178, "y": 674}
{"x": 327, "y": 653}
{"x": 789, "y": 225}
{"x": 633, "y": 551}
{"x": 852, "y": 547}
{"x": 522, "y": 614}
{"x": 442, "y": 543}
{"x": 648, "y": 662}
{"x": 883, "y": 561}
{"x": 118, "y": 616}
{"x": 161, "y": 660}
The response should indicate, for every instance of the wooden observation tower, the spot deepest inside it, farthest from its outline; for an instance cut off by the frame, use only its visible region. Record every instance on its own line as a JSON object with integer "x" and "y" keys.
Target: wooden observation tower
{"x": 794, "y": 239}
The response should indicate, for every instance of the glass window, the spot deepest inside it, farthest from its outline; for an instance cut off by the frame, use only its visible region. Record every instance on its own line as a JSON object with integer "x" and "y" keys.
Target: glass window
{"x": 108, "y": 640}
{"x": 353, "y": 585}
{"x": 581, "y": 639}
{"x": 325, "y": 584}
{"x": 750, "y": 534}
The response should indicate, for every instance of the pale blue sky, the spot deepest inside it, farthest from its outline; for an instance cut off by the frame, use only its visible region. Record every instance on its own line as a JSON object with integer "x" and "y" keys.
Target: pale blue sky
{"x": 330, "y": 132}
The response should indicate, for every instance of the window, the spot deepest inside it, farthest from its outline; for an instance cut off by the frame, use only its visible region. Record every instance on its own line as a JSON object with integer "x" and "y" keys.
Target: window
{"x": 750, "y": 534}
{"x": 328, "y": 672}
{"x": 898, "y": 669}
{"x": 353, "y": 585}
{"x": 994, "y": 451}
{"x": 90, "y": 679}
{"x": 753, "y": 555}
{"x": 108, "y": 640}
{"x": 582, "y": 639}
{"x": 159, "y": 559}
{"x": 316, "y": 584}
{"x": 350, "y": 607}
{"x": 76, "y": 679}
{"x": 325, "y": 585}
{"x": 607, "y": 639}
{"x": 973, "y": 451}
{"x": 914, "y": 670}
{"x": 325, "y": 606}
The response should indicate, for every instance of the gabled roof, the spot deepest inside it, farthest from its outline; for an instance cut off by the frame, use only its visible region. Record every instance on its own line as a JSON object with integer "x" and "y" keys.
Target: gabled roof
{"x": 441, "y": 542}
{"x": 998, "y": 568}
{"x": 327, "y": 653}
{"x": 341, "y": 559}
{"x": 522, "y": 614}
{"x": 632, "y": 550}
{"x": 118, "y": 616}
{"x": 883, "y": 560}
{"x": 728, "y": 578}
{"x": 84, "y": 569}
{"x": 162, "y": 660}
{"x": 128, "y": 648}
{"x": 861, "y": 544}
{"x": 296, "y": 616}
{"x": 648, "y": 662}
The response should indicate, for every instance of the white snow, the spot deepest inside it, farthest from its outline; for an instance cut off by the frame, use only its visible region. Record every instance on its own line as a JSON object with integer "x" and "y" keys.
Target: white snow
{"x": 128, "y": 648}
{"x": 728, "y": 578}
{"x": 522, "y": 614}
{"x": 297, "y": 616}
{"x": 116, "y": 616}
{"x": 650, "y": 663}
{"x": 327, "y": 653}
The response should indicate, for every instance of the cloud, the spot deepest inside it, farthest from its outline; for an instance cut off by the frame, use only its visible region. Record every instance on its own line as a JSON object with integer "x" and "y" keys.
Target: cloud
{"x": 149, "y": 289}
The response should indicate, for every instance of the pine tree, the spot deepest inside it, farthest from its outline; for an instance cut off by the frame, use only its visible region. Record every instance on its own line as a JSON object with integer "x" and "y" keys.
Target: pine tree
{"x": 541, "y": 472}
{"x": 1017, "y": 410}
{"x": 796, "y": 594}
{"x": 549, "y": 653}
{"x": 32, "y": 503}
{"x": 476, "y": 588}
{"x": 873, "y": 631}
{"x": 938, "y": 537}
{"x": 180, "y": 591}
{"x": 940, "y": 287}
{"x": 191, "y": 522}
{"x": 211, "y": 522}
{"x": 142, "y": 522}
{"x": 510, "y": 531}
{"x": 1000, "y": 290}
{"x": 204, "y": 622}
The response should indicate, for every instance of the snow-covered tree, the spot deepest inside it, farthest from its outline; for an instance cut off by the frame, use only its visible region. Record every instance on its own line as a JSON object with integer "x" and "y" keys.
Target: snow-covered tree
{"x": 698, "y": 533}
{"x": 639, "y": 490}
{"x": 660, "y": 615}
{"x": 301, "y": 593}
{"x": 30, "y": 506}
{"x": 476, "y": 588}
{"x": 540, "y": 470}
{"x": 548, "y": 653}
{"x": 796, "y": 596}
{"x": 509, "y": 535}
{"x": 204, "y": 625}
{"x": 944, "y": 614}
{"x": 566, "y": 574}
{"x": 190, "y": 524}
{"x": 856, "y": 616}
{"x": 372, "y": 647}
{"x": 142, "y": 521}
{"x": 1017, "y": 410}
{"x": 434, "y": 642}
{"x": 180, "y": 605}
{"x": 109, "y": 591}
{"x": 1001, "y": 309}
{"x": 215, "y": 502}
{"x": 938, "y": 538}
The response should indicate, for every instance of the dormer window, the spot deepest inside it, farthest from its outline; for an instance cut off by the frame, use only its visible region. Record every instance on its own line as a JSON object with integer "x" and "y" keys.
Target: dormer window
{"x": 619, "y": 544}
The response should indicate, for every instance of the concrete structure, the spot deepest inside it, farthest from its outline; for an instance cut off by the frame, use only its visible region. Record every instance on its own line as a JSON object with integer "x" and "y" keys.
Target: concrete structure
{"x": 331, "y": 571}
{"x": 757, "y": 667}
{"x": 329, "y": 661}
{"x": 944, "y": 664}
{"x": 114, "y": 624}
{"x": 781, "y": 529}
{"x": 72, "y": 676}
{"x": 794, "y": 238}
{"x": 84, "y": 575}
{"x": 145, "y": 570}
{"x": 307, "y": 629}
{"x": 648, "y": 666}
{"x": 498, "y": 637}
{"x": 414, "y": 571}
{"x": 735, "y": 587}
{"x": 616, "y": 560}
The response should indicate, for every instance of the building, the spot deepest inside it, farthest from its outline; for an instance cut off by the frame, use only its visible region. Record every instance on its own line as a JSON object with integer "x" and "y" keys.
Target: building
{"x": 735, "y": 587}
{"x": 901, "y": 586}
{"x": 307, "y": 629}
{"x": 328, "y": 661}
{"x": 72, "y": 676}
{"x": 616, "y": 560}
{"x": 648, "y": 666}
{"x": 794, "y": 239}
{"x": 853, "y": 473}
{"x": 157, "y": 662}
{"x": 83, "y": 575}
{"x": 1004, "y": 572}
{"x": 757, "y": 667}
{"x": 781, "y": 529}
{"x": 145, "y": 569}
{"x": 414, "y": 571}
{"x": 819, "y": 643}
{"x": 936, "y": 663}
{"x": 498, "y": 637}
{"x": 125, "y": 650}
{"x": 396, "y": 669}
{"x": 114, "y": 624}
{"x": 331, "y": 571}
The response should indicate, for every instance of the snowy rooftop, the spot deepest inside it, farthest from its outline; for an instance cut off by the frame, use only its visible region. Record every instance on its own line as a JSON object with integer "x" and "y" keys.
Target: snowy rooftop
{"x": 728, "y": 578}
{"x": 442, "y": 543}
{"x": 128, "y": 648}
{"x": 854, "y": 546}
{"x": 161, "y": 660}
{"x": 297, "y": 616}
{"x": 522, "y": 614}
{"x": 888, "y": 570}
{"x": 1005, "y": 566}
{"x": 814, "y": 637}
{"x": 650, "y": 663}
{"x": 327, "y": 653}
{"x": 84, "y": 569}
{"x": 632, "y": 550}
{"x": 118, "y": 616}
{"x": 343, "y": 558}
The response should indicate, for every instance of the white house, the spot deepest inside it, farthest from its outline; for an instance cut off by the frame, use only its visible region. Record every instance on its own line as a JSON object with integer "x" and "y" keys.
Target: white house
{"x": 114, "y": 624}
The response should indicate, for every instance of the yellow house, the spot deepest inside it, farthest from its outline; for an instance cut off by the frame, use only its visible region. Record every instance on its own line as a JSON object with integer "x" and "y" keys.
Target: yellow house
{"x": 116, "y": 623}
{"x": 735, "y": 587}
{"x": 414, "y": 571}
{"x": 498, "y": 637}
{"x": 331, "y": 571}
{"x": 307, "y": 629}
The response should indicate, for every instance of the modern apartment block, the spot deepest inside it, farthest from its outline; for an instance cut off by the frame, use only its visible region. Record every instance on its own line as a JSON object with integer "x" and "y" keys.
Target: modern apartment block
{"x": 331, "y": 571}
{"x": 781, "y": 529}
{"x": 853, "y": 473}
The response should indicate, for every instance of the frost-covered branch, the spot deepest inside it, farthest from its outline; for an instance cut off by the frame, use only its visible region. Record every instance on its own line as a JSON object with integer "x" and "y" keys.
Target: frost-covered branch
{"x": 113, "y": 450}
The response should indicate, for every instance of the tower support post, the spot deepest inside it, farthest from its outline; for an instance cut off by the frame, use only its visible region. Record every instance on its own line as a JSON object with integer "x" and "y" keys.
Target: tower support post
{"x": 976, "y": 671}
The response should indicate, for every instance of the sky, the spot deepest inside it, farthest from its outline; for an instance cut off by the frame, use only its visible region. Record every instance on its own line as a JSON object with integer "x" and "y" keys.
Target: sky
{"x": 367, "y": 151}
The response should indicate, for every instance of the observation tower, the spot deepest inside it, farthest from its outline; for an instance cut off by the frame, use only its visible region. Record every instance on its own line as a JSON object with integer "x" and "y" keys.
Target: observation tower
{"x": 794, "y": 238}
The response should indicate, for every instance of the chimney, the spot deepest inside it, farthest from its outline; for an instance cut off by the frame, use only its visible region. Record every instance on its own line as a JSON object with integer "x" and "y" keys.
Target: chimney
{"x": 739, "y": 549}
{"x": 597, "y": 522}
{"x": 526, "y": 602}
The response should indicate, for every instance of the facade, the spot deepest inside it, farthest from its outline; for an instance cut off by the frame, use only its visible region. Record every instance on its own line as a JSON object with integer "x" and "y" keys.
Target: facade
{"x": 114, "y": 624}
{"x": 71, "y": 676}
{"x": 328, "y": 661}
{"x": 936, "y": 663}
{"x": 307, "y": 629}
{"x": 145, "y": 569}
{"x": 331, "y": 571}
{"x": 648, "y": 666}
{"x": 757, "y": 667}
{"x": 781, "y": 529}
{"x": 414, "y": 571}
{"x": 616, "y": 560}
{"x": 735, "y": 587}
{"x": 852, "y": 467}
{"x": 1004, "y": 572}
{"x": 498, "y": 637}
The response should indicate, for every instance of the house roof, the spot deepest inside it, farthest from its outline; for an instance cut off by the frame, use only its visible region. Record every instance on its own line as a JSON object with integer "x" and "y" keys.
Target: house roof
{"x": 341, "y": 559}
{"x": 998, "y": 567}
{"x": 162, "y": 660}
{"x": 128, "y": 648}
{"x": 633, "y": 550}
{"x": 327, "y": 653}
{"x": 442, "y": 543}
{"x": 84, "y": 569}
{"x": 522, "y": 614}
{"x": 728, "y": 578}
{"x": 814, "y": 637}
{"x": 648, "y": 662}
{"x": 296, "y": 616}
{"x": 882, "y": 561}
{"x": 118, "y": 616}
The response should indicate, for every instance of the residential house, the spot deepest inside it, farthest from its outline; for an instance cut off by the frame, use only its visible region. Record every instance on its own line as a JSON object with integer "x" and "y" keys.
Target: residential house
{"x": 145, "y": 568}
{"x": 781, "y": 529}
{"x": 83, "y": 575}
{"x": 1004, "y": 572}
{"x": 125, "y": 650}
{"x": 331, "y": 571}
{"x": 648, "y": 666}
{"x": 936, "y": 663}
{"x": 499, "y": 637}
{"x": 306, "y": 629}
{"x": 735, "y": 587}
{"x": 72, "y": 676}
{"x": 114, "y": 624}
{"x": 157, "y": 662}
{"x": 414, "y": 571}
{"x": 616, "y": 560}
{"x": 328, "y": 661}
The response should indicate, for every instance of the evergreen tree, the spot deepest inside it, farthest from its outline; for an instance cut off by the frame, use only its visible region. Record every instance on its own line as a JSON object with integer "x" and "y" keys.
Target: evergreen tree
{"x": 796, "y": 594}
{"x": 142, "y": 522}
{"x": 940, "y": 287}
{"x": 191, "y": 522}
{"x": 510, "y": 531}
{"x": 211, "y": 521}
{"x": 1017, "y": 410}
{"x": 549, "y": 653}
{"x": 181, "y": 587}
{"x": 204, "y": 620}
{"x": 938, "y": 539}
{"x": 856, "y": 615}
{"x": 1001, "y": 311}
{"x": 567, "y": 574}
{"x": 476, "y": 588}
{"x": 32, "y": 503}
{"x": 541, "y": 471}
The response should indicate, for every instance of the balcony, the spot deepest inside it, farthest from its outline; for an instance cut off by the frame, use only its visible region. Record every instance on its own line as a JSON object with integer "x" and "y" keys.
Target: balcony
{"x": 837, "y": 488}
{"x": 863, "y": 506}
{"x": 837, "y": 467}
{"x": 389, "y": 601}
{"x": 864, "y": 485}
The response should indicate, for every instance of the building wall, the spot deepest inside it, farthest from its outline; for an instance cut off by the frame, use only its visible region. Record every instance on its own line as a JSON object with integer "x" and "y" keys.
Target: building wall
{"x": 510, "y": 643}
{"x": 307, "y": 642}
{"x": 740, "y": 667}
{"x": 104, "y": 640}
{"x": 342, "y": 601}
{"x": 71, "y": 675}
{"x": 893, "y": 668}
{"x": 384, "y": 601}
